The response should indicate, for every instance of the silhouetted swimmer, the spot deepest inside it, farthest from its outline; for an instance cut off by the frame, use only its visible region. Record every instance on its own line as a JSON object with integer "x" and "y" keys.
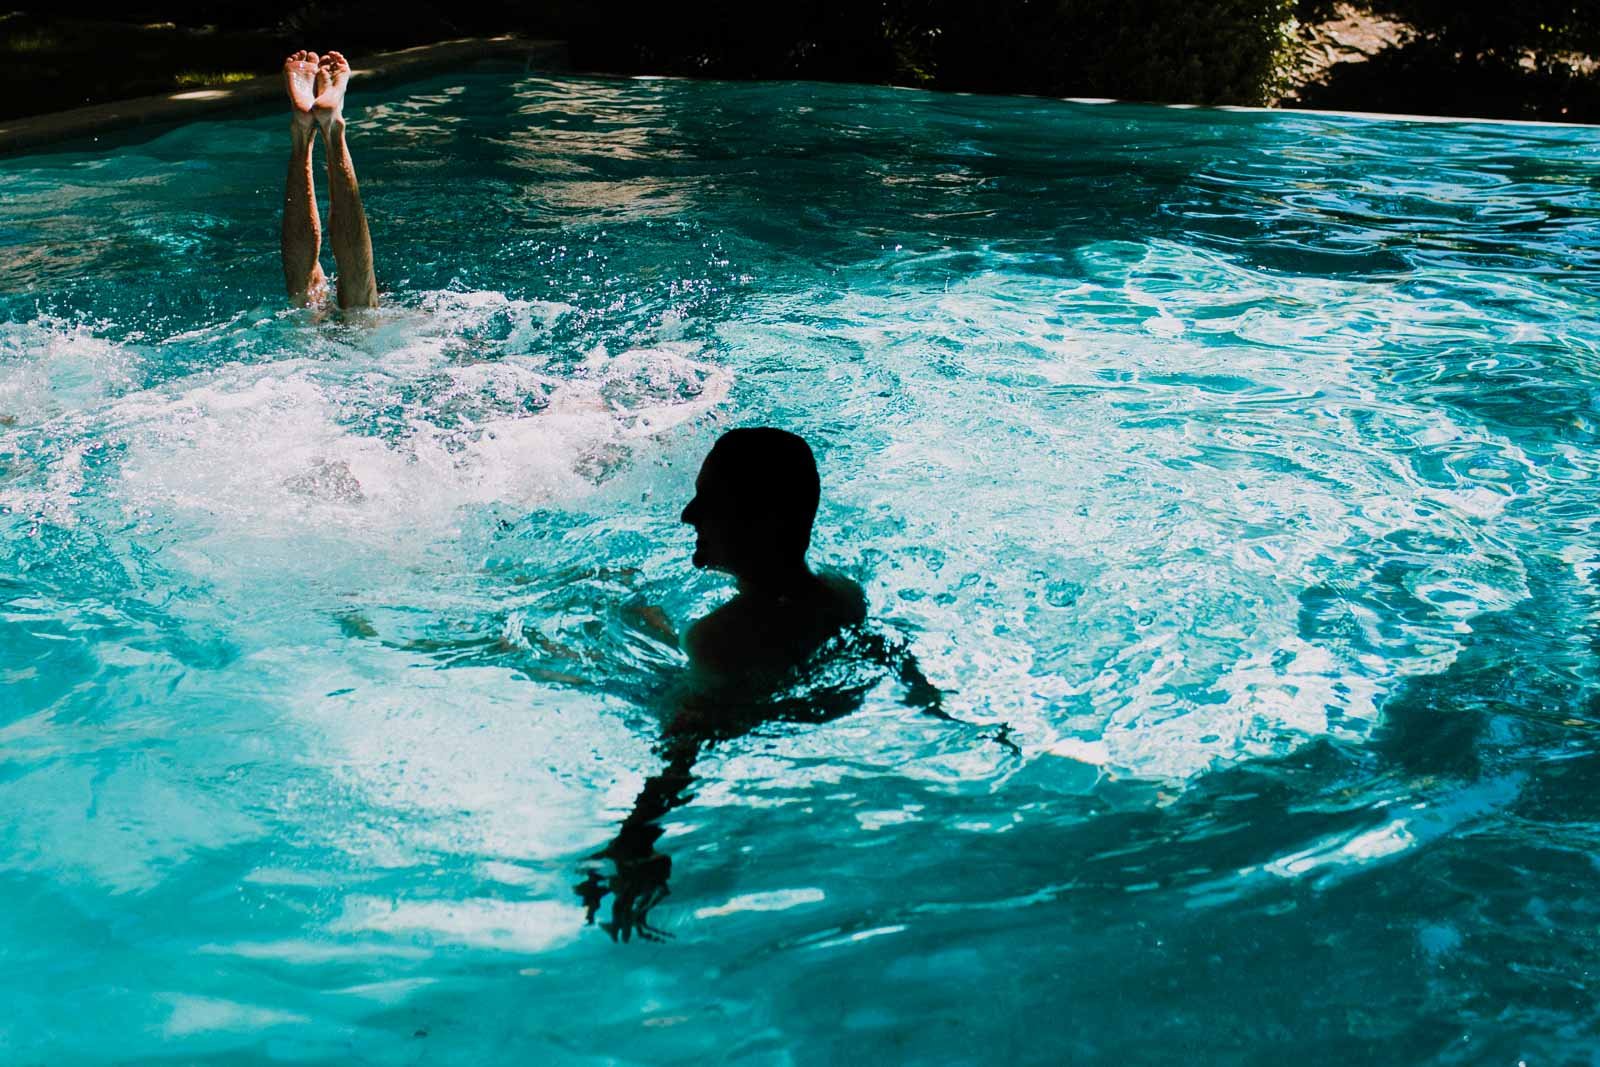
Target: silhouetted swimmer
{"x": 753, "y": 508}
{"x": 754, "y": 505}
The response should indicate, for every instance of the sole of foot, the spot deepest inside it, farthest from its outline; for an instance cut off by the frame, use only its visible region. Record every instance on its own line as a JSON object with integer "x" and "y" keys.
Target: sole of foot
{"x": 300, "y": 72}
{"x": 333, "y": 74}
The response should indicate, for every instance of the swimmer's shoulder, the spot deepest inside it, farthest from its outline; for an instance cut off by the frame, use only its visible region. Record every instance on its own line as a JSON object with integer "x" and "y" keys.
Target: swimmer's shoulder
{"x": 743, "y": 632}
{"x": 731, "y": 640}
{"x": 708, "y": 638}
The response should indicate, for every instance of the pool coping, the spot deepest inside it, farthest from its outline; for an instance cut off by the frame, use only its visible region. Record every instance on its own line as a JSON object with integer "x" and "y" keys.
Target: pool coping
{"x": 1335, "y": 113}
{"x": 186, "y": 105}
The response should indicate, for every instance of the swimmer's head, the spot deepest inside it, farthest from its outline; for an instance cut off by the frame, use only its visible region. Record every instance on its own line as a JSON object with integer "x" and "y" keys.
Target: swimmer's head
{"x": 754, "y": 503}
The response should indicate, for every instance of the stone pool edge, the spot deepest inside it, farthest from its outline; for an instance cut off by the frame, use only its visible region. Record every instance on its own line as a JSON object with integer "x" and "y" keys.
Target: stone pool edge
{"x": 186, "y": 105}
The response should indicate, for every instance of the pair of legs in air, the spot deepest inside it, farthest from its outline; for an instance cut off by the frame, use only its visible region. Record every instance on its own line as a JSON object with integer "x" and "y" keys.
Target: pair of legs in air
{"x": 316, "y": 102}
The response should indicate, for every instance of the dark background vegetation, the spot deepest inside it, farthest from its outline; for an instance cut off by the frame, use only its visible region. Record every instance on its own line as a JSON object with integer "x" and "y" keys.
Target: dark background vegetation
{"x": 1520, "y": 58}
{"x": 1530, "y": 59}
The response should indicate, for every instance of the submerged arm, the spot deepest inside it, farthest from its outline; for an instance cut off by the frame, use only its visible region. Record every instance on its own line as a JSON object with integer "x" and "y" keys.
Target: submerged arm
{"x": 920, "y": 693}
{"x": 640, "y": 881}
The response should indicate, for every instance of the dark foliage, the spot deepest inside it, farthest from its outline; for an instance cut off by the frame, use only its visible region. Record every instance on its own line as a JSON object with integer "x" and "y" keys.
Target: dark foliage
{"x": 414, "y": 19}
{"x": 1483, "y": 57}
{"x": 1493, "y": 58}
{"x": 1504, "y": 29}
{"x": 225, "y": 14}
{"x": 1309, "y": 12}
{"x": 398, "y": 23}
{"x": 1222, "y": 51}
{"x": 1430, "y": 77}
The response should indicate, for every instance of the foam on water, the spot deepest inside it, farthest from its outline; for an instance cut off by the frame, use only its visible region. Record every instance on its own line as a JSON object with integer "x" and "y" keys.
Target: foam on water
{"x": 388, "y": 444}
{"x": 277, "y": 491}
{"x": 1197, "y": 520}
{"x": 281, "y": 445}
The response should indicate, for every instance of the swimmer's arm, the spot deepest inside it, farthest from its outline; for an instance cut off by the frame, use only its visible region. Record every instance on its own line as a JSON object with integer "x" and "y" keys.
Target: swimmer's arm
{"x": 640, "y": 880}
{"x": 922, "y": 694}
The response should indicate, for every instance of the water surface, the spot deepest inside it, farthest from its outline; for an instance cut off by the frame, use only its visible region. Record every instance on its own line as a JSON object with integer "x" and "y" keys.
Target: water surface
{"x": 1241, "y": 465}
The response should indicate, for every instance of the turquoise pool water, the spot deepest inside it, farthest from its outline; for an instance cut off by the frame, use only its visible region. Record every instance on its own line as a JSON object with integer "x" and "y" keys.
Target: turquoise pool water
{"x": 1243, "y": 465}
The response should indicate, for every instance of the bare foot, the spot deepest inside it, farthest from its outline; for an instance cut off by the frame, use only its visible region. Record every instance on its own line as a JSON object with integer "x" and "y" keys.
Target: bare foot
{"x": 300, "y": 79}
{"x": 333, "y": 73}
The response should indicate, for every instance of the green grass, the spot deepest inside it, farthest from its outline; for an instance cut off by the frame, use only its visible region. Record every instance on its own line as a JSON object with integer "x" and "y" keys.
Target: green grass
{"x": 189, "y": 79}
{"x": 35, "y": 41}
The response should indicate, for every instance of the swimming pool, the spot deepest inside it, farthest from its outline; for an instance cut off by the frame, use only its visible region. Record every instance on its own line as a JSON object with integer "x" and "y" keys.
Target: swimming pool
{"x": 1242, "y": 465}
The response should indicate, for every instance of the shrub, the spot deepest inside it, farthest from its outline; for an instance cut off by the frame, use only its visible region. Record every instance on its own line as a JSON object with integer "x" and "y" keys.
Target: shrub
{"x": 1481, "y": 29}
{"x": 1474, "y": 57}
{"x": 1222, "y": 51}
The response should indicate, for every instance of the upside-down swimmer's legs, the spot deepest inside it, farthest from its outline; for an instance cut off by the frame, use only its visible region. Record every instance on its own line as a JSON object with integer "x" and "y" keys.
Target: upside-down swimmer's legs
{"x": 302, "y": 230}
{"x": 347, "y": 221}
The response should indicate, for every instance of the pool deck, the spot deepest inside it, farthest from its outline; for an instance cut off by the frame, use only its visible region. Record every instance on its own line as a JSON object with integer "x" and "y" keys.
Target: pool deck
{"x": 189, "y": 104}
